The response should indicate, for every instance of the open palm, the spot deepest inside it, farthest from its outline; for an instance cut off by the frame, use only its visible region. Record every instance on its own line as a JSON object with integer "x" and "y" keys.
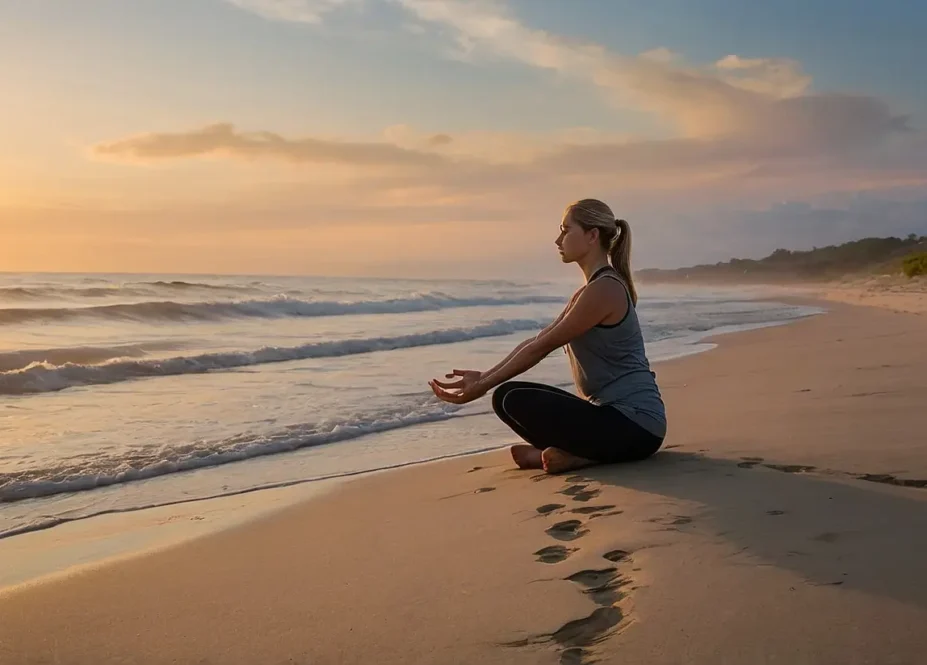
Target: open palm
{"x": 464, "y": 386}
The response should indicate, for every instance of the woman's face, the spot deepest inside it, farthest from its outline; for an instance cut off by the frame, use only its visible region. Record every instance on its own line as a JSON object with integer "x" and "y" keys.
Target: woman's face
{"x": 573, "y": 242}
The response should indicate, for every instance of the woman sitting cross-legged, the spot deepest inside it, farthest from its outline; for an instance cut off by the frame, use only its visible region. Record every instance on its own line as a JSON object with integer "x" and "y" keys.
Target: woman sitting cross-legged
{"x": 618, "y": 415}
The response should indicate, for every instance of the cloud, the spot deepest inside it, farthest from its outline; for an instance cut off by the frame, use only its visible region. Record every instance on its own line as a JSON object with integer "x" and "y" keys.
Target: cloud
{"x": 739, "y": 117}
{"x": 774, "y": 77}
{"x": 497, "y": 147}
{"x": 224, "y": 140}
{"x": 296, "y": 11}
{"x": 407, "y": 167}
{"x": 757, "y": 108}
{"x": 740, "y": 134}
{"x": 753, "y": 99}
{"x": 440, "y": 139}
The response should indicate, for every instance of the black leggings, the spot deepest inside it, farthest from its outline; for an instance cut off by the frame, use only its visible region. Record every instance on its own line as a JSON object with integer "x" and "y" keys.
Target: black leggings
{"x": 549, "y": 417}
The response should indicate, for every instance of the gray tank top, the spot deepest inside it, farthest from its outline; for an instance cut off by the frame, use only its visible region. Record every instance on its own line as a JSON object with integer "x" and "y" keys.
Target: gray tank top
{"x": 610, "y": 368}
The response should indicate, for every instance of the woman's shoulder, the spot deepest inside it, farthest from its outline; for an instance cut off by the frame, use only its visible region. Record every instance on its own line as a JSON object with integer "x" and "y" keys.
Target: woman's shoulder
{"x": 608, "y": 285}
{"x": 576, "y": 294}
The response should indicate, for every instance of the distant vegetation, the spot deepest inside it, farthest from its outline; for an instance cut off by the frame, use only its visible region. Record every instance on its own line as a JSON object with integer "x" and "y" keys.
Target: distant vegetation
{"x": 859, "y": 257}
{"x": 915, "y": 264}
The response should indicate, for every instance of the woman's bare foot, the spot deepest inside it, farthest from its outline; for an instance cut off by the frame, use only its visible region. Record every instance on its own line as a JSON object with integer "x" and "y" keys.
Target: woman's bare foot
{"x": 526, "y": 456}
{"x": 555, "y": 460}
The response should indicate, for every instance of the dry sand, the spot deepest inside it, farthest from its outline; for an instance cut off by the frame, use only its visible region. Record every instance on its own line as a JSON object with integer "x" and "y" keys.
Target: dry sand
{"x": 784, "y": 522}
{"x": 894, "y": 292}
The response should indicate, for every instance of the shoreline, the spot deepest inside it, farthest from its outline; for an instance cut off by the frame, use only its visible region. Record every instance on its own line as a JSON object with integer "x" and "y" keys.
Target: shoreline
{"x": 137, "y": 539}
{"x": 661, "y": 350}
{"x": 754, "y": 507}
{"x": 893, "y": 292}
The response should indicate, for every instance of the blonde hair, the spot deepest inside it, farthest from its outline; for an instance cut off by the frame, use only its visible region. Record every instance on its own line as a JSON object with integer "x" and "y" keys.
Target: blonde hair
{"x": 614, "y": 235}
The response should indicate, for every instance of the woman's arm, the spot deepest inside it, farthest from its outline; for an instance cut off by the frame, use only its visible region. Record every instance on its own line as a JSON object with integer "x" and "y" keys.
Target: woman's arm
{"x": 592, "y": 306}
{"x": 511, "y": 355}
{"x": 528, "y": 341}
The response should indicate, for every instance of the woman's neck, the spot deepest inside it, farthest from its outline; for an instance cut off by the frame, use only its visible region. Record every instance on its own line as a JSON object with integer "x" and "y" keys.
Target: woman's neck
{"x": 592, "y": 266}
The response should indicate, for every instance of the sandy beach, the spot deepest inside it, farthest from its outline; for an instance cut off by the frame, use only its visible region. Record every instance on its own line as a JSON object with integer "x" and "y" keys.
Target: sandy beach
{"x": 894, "y": 292}
{"x": 785, "y": 521}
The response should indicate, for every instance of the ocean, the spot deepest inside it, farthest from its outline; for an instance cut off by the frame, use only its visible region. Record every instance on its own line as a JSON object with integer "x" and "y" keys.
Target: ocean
{"x": 121, "y": 392}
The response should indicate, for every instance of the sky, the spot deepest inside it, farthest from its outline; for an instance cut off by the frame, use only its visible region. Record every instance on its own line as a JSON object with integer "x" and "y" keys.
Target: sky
{"x": 429, "y": 138}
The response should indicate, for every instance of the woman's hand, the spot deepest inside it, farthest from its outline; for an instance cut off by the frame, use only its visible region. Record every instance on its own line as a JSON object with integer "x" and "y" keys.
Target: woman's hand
{"x": 465, "y": 389}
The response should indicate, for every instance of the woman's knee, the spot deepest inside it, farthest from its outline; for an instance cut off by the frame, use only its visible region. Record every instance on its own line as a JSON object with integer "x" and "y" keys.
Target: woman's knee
{"x": 500, "y": 403}
{"x": 521, "y": 401}
{"x": 499, "y": 394}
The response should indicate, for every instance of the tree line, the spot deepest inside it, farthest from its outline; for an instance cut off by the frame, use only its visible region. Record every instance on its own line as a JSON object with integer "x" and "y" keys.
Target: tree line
{"x": 865, "y": 256}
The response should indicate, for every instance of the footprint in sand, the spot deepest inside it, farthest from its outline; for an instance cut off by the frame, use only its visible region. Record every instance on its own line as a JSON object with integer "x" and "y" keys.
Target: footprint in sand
{"x": 750, "y": 462}
{"x": 580, "y": 493}
{"x": 616, "y": 555}
{"x": 603, "y": 586}
{"x": 549, "y": 508}
{"x": 673, "y": 520}
{"x": 553, "y": 554}
{"x": 476, "y": 468}
{"x": 588, "y": 510}
{"x": 593, "y": 578}
{"x": 484, "y": 489}
{"x": 888, "y": 479}
{"x": 610, "y": 513}
{"x": 589, "y": 630}
{"x": 586, "y": 495}
{"x": 573, "y": 656}
{"x": 567, "y": 530}
{"x": 791, "y": 468}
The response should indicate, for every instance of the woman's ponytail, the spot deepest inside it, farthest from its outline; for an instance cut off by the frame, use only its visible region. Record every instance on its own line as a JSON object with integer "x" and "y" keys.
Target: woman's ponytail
{"x": 619, "y": 254}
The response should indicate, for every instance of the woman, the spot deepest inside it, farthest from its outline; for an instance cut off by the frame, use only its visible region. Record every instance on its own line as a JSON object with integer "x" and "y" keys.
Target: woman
{"x": 619, "y": 414}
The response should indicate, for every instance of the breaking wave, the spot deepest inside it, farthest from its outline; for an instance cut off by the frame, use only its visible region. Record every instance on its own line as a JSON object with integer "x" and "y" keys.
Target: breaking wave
{"x": 82, "y": 473}
{"x": 170, "y": 311}
{"x": 44, "y": 376}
